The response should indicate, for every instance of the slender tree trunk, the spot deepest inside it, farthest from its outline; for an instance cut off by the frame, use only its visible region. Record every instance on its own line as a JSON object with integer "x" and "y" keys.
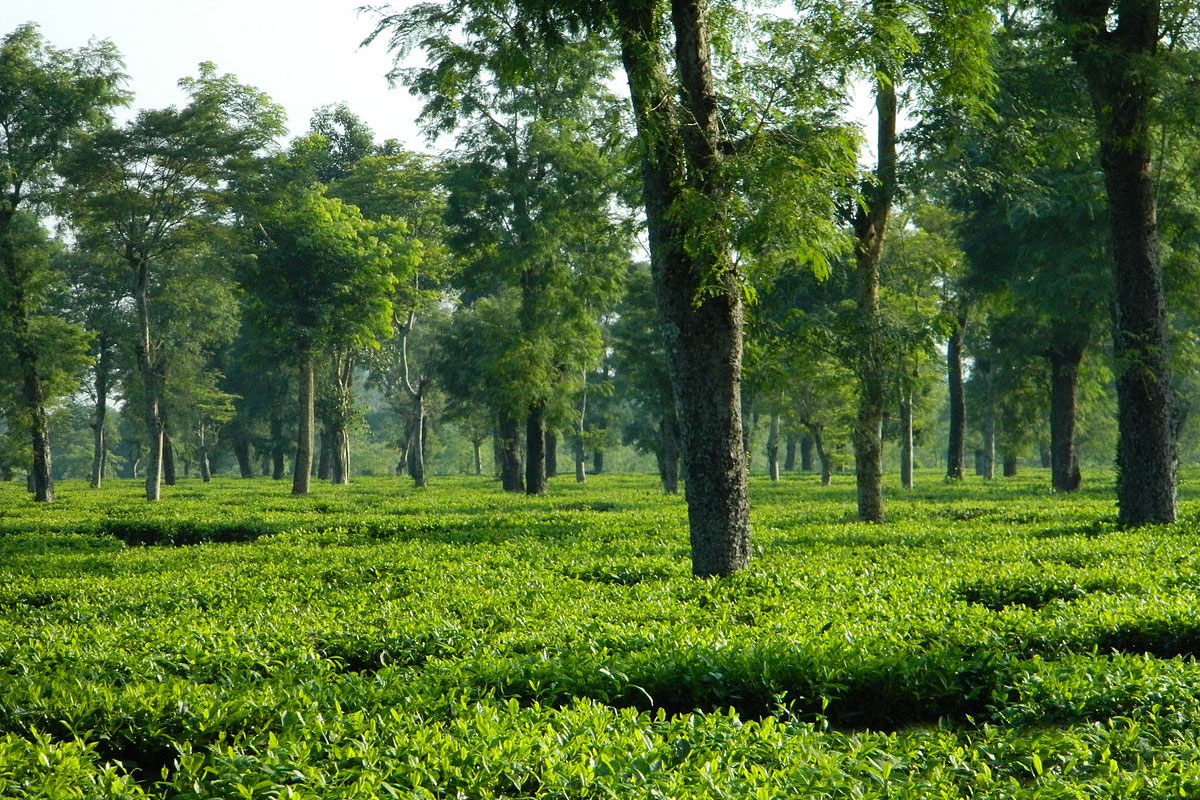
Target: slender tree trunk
{"x": 789, "y": 457}
{"x": 100, "y": 414}
{"x": 669, "y": 429}
{"x": 1116, "y": 45}
{"x": 535, "y": 449}
{"x": 416, "y": 437}
{"x": 702, "y": 330}
{"x": 806, "y": 454}
{"x": 1064, "y": 377}
{"x": 510, "y": 454}
{"x": 978, "y": 454}
{"x": 988, "y": 466}
{"x": 205, "y": 466}
{"x": 580, "y": 428}
{"x": 343, "y": 411}
{"x": 956, "y": 448}
{"x": 477, "y": 446}
{"x": 773, "y": 448}
{"x": 32, "y": 394}
{"x": 302, "y": 469}
{"x": 170, "y": 476}
{"x": 870, "y": 228}
{"x": 906, "y": 437}
{"x": 817, "y": 434}
{"x": 148, "y": 367}
{"x": 325, "y": 455}
{"x": 241, "y": 451}
{"x": 551, "y": 454}
{"x": 277, "y": 454}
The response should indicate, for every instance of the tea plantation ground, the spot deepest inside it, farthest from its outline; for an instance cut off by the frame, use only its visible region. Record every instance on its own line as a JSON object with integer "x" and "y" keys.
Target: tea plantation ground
{"x": 990, "y": 641}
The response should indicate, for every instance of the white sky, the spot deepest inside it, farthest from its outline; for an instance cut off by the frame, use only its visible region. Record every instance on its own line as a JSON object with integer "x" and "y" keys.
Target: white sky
{"x": 303, "y": 55}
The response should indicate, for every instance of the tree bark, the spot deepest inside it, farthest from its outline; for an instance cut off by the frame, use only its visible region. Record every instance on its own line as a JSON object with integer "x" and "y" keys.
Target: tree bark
{"x": 988, "y": 470}
{"x": 906, "y": 436}
{"x": 773, "y": 448}
{"x": 148, "y": 367}
{"x": 697, "y": 289}
{"x": 870, "y": 229}
{"x": 477, "y": 447}
{"x": 339, "y": 434}
{"x": 1010, "y": 465}
{"x": 1064, "y": 377}
{"x": 1114, "y": 48}
{"x": 956, "y": 447}
{"x": 669, "y": 430}
{"x": 817, "y": 434}
{"x": 551, "y": 454}
{"x": 789, "y": 457}
{"x": 509, "y": 442}
{"x": 535, "y": 449}
{"x": 416, "y": 437}
{"x": 302, "y": 469}
{"x": 806, "y": 454}
{"x": 100, "y": 414}
{"x": 241, "y": 451}
{"x": 169, "y": 476}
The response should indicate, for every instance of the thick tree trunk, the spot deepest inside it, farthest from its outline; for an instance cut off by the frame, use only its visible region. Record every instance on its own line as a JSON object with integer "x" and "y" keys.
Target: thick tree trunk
{"x": 806, "y": 454}
{"x": 551, "y": 454}
{"x": 100, "y": 414}
{"x": 906, "y": 437}
{"x": 789, "y": 457}
{"x": 343, "y": 410}
{"x": 773, "y": 448}
{"x": 302, "y": 468}
{"x": 241, "y": 451}
{"x": 956, "y": 447}
{"x": 1116, "y": 48}
{"x": 509, "y": 442}
{"x": 535, "y": 449}
{"x": 702, "y": 330}
{"x": 1064, "y": 376}
{"x": 1010, "y": 465}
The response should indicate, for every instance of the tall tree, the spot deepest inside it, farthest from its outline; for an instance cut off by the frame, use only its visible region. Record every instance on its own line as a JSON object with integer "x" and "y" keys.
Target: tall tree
{"x": 151, "y": 188}
{"x": 1116, "y": 45}
{"x": 47, "y": 98}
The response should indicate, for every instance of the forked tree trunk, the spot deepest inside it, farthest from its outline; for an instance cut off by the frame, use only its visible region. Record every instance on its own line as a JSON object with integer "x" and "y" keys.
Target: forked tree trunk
{"x": 302, "y": 469}
{"x": 416, "y": 438}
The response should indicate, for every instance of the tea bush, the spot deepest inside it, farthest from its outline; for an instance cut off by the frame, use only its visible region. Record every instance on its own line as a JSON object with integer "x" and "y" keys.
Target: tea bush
{"x": 990, "y": 640}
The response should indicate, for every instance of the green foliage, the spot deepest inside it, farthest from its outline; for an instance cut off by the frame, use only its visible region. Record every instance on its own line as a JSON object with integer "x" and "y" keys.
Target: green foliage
{"x": 374, "y": 640}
